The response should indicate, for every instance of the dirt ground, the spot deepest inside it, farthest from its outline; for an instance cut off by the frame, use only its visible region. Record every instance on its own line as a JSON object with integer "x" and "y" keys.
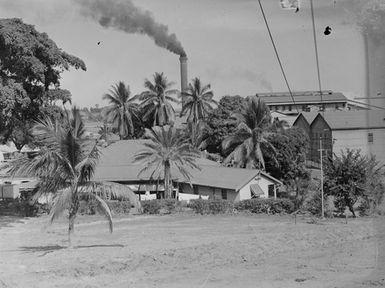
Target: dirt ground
{"x": 186, "y": 250}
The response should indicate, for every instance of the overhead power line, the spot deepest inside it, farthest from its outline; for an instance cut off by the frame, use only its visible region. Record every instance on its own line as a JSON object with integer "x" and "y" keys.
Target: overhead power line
{"x": 276, "y": 53}
{"x": 316, "y": 52}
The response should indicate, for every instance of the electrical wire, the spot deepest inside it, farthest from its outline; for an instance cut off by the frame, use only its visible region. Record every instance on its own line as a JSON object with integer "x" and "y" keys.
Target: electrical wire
{"x": 316, "y": 52}
{"x": 276, "y": 53}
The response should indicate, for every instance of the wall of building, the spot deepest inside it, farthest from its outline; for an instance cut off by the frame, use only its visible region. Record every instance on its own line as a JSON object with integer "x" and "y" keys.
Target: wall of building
{"x": 319, "y": 128}
{"x": 358, "y": 139}
{"x": 245, "y": 192}
{"x": 308, "y": 107}
{"x": 213, "y": 193}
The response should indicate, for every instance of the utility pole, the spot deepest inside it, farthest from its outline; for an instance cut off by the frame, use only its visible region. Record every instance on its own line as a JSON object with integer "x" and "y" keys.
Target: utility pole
{"x": 322, "y": 179}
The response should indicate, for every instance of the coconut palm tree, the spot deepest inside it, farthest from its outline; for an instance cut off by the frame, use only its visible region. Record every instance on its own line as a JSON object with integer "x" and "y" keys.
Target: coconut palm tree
{"x": 156, "y": 101}
{"x": 123, "y": 111}
{"x": 197, "y": 101}
{"x": 167, "y": 151}
{"x": 64, "y": 166}
{"x": 197, "y": 134}
{"x": 251, "y": 135}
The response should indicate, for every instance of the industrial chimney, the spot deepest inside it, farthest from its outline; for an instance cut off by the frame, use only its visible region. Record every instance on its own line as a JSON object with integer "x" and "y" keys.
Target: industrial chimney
{"x": 183, "y": 74}
{"x": 375, "y": 71}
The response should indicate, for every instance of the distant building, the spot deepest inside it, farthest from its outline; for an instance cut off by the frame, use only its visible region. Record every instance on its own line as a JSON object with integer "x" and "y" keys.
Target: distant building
{"x": 307, "y": 101}
{"x": 362, "y": 129}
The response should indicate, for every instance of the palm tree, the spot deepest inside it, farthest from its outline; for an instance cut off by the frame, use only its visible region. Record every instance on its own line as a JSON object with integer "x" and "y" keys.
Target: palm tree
{"x": 167, "y": 151}
{"x": 251, "y": 135}
{"x": 197, "y": 101}
{"x": 197, "y": 134}
{"x": 123, "y": 111}
{"x": 64, "y": 166}
{"x": 156, "y": 100}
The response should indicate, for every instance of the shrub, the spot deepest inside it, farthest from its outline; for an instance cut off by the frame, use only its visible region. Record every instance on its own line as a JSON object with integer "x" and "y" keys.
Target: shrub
{"x": 155, "y": 206}
{"x": 212, "y": 206}
{"x": 90, "y": 207}
{"x": 312, "y": 204}
{"x": 265, "y": 206}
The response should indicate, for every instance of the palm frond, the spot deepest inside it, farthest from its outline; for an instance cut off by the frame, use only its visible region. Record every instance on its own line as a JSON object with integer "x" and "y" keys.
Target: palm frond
{"x": 61, "y": 202}
{"x": 103, "y": 208}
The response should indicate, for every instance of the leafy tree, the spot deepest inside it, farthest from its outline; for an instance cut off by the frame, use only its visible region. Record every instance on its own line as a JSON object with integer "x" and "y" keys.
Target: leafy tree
{"x": 156, "y": 101}
{"x": 123, "y": 111}
{"x": 30, "y": 68}
{"x": 221, "y": 123}
{"x": 197, "y": 101}
{"x": 167, "y": 151}
{"x": 350, "y": 177}
{"x": 251, "y": 137}
{"x": 287, "y": 162}
{"x": 65, "y": 166}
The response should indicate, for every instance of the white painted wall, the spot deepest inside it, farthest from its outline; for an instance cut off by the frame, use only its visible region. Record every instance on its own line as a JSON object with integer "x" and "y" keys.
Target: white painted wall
{"x": 263, "y": 182}
{"x": 213, "y": 193}
{"x": 358, "y": 139}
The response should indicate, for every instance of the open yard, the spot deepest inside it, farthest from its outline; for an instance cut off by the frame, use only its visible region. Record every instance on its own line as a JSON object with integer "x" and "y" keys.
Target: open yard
{"x": 186, "y": 250}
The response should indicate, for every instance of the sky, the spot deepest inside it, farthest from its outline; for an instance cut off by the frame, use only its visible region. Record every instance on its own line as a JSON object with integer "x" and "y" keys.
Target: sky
{"x": 226, "y": 42}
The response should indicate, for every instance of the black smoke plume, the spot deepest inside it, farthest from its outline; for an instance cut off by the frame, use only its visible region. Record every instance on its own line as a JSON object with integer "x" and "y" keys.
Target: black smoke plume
{"x": 125, "y": 16}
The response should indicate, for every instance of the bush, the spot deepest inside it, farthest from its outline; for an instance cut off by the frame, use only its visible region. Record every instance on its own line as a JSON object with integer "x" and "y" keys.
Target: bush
{"x": 157, "y": 205}
{"x": 265, "y": 206}
{"x": 313, "y": 204}
{"x": 214, "y": 206}
{"x": 90, "y": 207}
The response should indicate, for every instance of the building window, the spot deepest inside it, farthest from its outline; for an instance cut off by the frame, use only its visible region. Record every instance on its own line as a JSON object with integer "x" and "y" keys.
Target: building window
{"x": 271, "y": 190}
{"x": 283, "y": 108}
{"x": 290, "y": 107}
{"x": 224, "y": 194}
{"x": 370, "y": 137}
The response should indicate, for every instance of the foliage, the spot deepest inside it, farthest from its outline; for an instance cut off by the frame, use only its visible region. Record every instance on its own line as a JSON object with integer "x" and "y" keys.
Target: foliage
{"x": 287, "y": 163}
{"x": 123, "y": 112}
{"x": 211, "y": 206}
{"x": 166, "y": 151}
{"x": 155, "y": 206}
{"x": 265, "y": 206}
{"x": 351, "y": 176}
{"x": 65, "y": 165}
{"x": 197, "y": 133}
{"x": 220, "y": 122}
{"x": 197, "y": 101}
{"x": 31, "y": 64}
{"x": 313, "y": 204}
{"x": 156, "y": 101}
{"x": 91, "y": 207}
{"x": 250, "y": 141}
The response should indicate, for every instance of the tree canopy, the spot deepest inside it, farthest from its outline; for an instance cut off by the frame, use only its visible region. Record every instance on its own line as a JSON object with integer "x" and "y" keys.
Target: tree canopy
{"x": 30, "y": 68}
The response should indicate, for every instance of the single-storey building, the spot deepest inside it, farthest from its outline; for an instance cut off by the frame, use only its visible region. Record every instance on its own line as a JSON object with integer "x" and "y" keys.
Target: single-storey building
{"x": 212, "y": 180}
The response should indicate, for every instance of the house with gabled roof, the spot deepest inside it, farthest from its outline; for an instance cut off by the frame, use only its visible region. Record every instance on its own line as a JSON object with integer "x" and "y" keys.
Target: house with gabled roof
{"x": 212, "y": 180}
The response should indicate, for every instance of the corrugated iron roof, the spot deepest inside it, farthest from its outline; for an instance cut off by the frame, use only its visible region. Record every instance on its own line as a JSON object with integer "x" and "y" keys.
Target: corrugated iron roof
{"x": 116, "y": 164}
{"x": 350, "y": 120}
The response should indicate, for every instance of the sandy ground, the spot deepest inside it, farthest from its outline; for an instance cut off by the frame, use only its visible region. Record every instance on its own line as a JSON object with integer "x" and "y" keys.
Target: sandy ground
{"x": 188, "y": 250}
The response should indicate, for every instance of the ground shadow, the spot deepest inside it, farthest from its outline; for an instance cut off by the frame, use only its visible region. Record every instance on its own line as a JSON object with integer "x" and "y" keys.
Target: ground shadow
{"x": 53, "y": 248}
{"x": 101, "y": 245}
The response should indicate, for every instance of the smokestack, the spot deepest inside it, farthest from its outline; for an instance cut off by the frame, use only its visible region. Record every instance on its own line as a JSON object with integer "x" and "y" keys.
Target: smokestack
{"x": 183, "y": 75}
{"x": 123, "y": 15}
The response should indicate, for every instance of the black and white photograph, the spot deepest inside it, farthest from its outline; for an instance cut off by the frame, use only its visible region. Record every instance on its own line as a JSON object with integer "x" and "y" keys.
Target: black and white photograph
{"x": 192, "y": 143}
